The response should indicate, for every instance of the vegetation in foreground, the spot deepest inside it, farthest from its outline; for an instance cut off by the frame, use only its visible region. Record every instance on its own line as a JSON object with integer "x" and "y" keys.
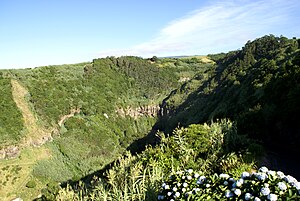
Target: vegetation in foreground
{"x": 264, "y": 184}
{"x": 202, "y": 147}
{"x": 200, "y": 162}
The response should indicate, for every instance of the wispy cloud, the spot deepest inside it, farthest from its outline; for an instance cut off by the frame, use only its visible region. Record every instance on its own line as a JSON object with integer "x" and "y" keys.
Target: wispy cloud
{"x": 221, "y": 26}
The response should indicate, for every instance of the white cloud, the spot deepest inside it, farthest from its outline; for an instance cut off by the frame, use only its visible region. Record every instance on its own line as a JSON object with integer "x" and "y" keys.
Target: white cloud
{"x": 222, "y": 26}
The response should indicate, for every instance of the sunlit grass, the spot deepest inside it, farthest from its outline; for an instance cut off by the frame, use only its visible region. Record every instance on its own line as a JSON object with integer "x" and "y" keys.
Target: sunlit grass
{"x": 15, "y": 173}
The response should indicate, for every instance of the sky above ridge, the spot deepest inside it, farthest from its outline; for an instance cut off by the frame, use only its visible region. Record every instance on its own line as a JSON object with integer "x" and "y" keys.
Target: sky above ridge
{"x": 48, "y": 32}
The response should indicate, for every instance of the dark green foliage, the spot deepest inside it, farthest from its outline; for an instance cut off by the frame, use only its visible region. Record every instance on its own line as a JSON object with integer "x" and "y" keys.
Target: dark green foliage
{"x": 146, "y": 77}
{"x": 257, "y": 86}
{"x": 202, "y": 146}
{"x": 50, "y": 192}
{"x": 54, "y": 90}
{"x": 11, "y": 119}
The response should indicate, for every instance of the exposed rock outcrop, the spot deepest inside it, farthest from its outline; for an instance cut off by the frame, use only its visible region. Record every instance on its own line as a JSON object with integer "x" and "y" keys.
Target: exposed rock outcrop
{"x": 9, "y": 152}
{"x": 147, "y": 110}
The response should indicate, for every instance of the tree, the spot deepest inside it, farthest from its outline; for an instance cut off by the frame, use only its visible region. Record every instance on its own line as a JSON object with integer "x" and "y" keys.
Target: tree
{"x": 154, "y": 59}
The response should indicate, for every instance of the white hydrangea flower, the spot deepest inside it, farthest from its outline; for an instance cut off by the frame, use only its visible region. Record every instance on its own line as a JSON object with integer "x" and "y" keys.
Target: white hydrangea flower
{"x": 239, "y": 182}
{"x": 167, "y": 187}
{"x": 189, "y": 177}
{"x": 297, "y": 185}
{"x": 183, "y": 190}
{"x": 224, "y": 176}
{"x": 201, "y": 180}
{"x": 248, "y": 196}
{"x": 163, "y": 185}
{"x": 183, "y": 177}
{"x": 266, "y": 185}
{"x": 272, "y": 197}
{"x": 228, "y": 194}
{"x": 196, "y": 175}
{"x": 265, "y": 191}
{"x": 174, "y": 189}
{"x": 282, "y": 186}
{"x": 257, "y": 199}
{"x": 177, "y": 194}
{"x": 238, "y": 192}
{"x": 207, "y": 185}
{"x": 263, "y": 169}
{"x": 245, "y": 175}
{"x": 179, "y": 172}
{"x": 261, "y": 176}
{"x": 169, "y": 193}
{"x": 291, "y": 180}
{"x": 178, "y": 184}
{"x": 184, "y": 184}
{"x": 190, "y": 171}
{"x": 271, "y": 172}
{"x": 197, "y": 189}
{"x": 280, "y": 174}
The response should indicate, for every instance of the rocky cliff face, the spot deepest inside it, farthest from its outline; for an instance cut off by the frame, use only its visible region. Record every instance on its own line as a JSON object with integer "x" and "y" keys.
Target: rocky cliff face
{"x": 9, "y": 152}
{"x": 147, "y": 110}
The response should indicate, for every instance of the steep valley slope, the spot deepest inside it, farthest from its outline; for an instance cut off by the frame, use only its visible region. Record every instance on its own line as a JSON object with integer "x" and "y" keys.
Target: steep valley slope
{"x": 86, "y": 116}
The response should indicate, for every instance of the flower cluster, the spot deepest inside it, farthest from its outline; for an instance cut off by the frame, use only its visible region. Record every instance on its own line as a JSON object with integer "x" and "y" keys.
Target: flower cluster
{"x": 264, "y": 184}
{"x": 181, "y": 185}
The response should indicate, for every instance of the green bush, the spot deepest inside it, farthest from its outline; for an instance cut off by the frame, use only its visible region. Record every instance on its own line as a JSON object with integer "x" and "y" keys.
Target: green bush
{"x": 11, "y": 118}
{"x": 31, "y": 184}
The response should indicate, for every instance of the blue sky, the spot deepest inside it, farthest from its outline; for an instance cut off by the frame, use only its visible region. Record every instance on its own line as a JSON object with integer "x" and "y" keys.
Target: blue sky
{"x": 47, "y": 32}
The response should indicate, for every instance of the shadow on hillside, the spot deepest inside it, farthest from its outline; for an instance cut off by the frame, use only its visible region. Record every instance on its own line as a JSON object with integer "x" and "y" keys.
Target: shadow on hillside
{"x": 223, "y": 101}
{"x": 163, "y": 124}
{"x": 136, "y": 147}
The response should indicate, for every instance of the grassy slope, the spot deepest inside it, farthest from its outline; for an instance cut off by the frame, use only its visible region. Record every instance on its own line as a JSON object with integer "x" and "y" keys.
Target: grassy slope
{"x": 15, "y": 173}
{"x": 35, "y": 133}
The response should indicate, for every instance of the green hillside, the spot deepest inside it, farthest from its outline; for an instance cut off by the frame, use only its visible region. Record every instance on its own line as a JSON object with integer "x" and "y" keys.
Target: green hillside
{"x": 117, "y": 128}
{"x": 93, "y": 111}
{"x": 257, "y": 87}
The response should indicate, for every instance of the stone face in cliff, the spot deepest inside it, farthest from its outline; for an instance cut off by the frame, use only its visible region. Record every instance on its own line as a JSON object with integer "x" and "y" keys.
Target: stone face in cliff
{"x": 147, "y": 110}
{"x": 9, "y": 152}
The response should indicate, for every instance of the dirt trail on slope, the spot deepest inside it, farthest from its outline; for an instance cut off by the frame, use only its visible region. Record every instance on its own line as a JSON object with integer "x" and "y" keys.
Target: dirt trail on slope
{"x": 67, "y": 116}
{"x": 16, "y": 171}
{"x": 36, "y": 135}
